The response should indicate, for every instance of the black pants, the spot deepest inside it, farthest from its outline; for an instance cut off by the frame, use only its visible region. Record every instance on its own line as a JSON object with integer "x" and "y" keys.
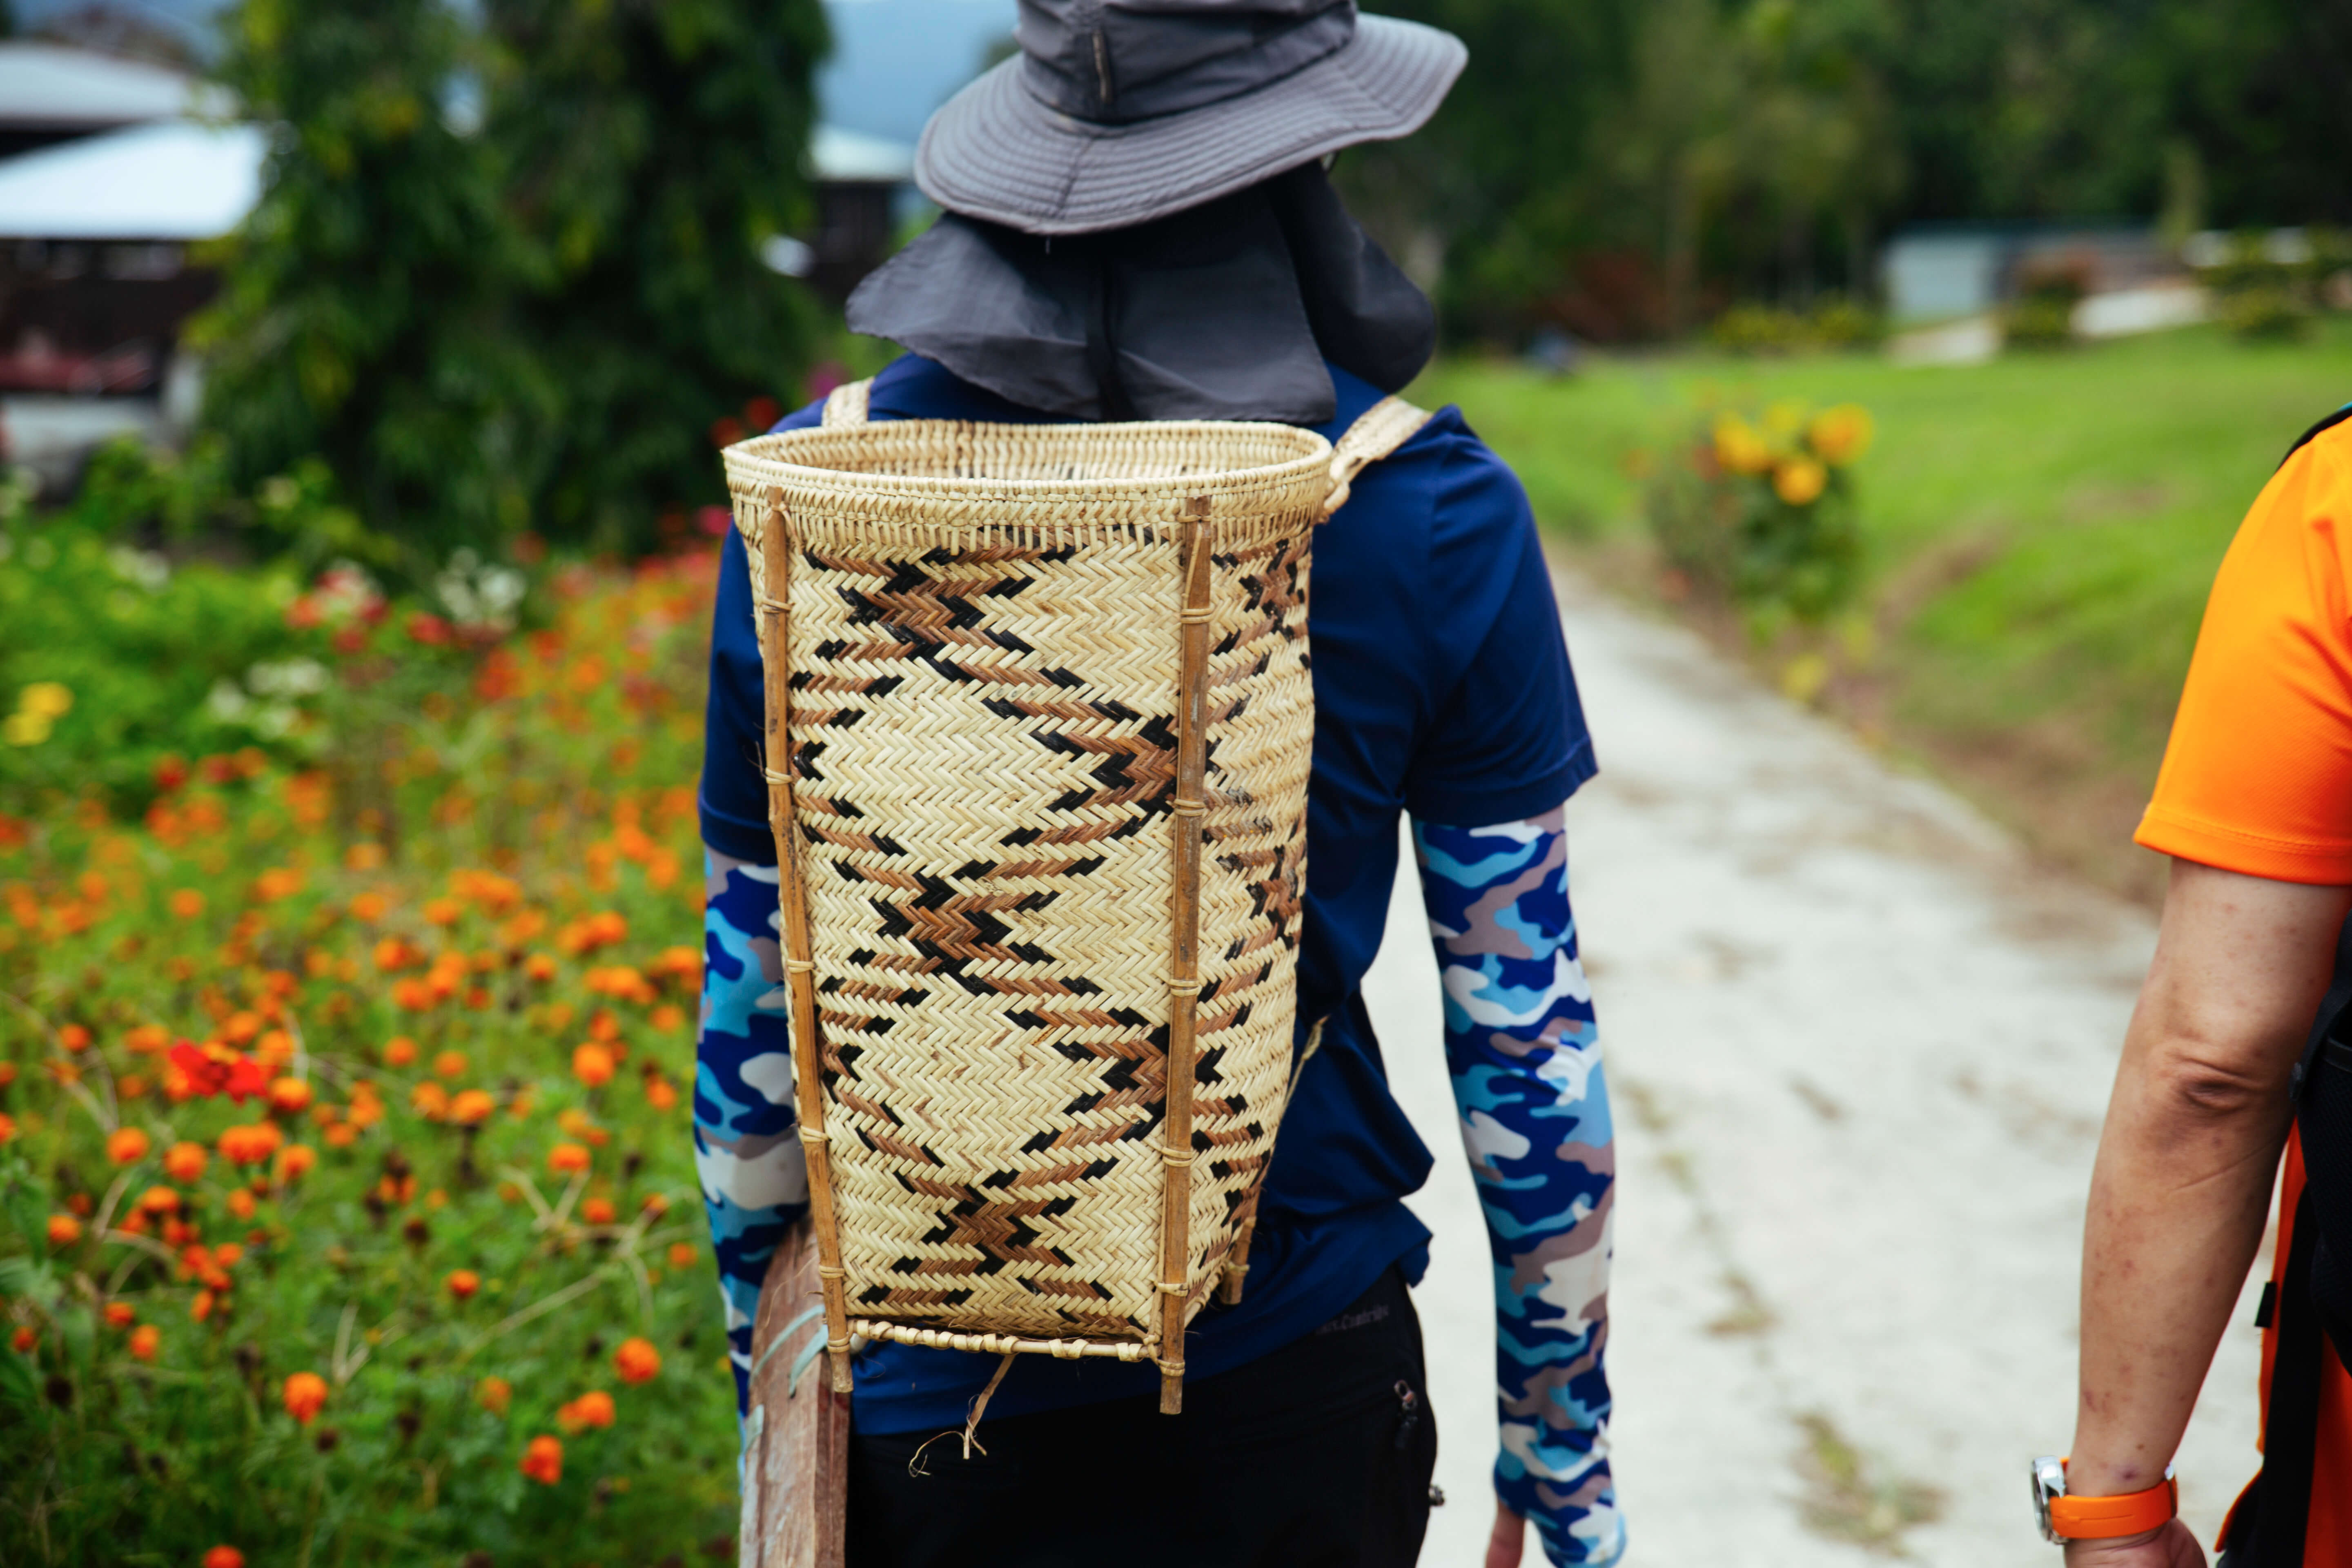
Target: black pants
{"x": 1317, "y": 1455}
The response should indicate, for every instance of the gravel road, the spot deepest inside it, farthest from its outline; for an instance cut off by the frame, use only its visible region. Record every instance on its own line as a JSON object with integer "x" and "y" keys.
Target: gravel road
{"x": 1859, "y": 1051}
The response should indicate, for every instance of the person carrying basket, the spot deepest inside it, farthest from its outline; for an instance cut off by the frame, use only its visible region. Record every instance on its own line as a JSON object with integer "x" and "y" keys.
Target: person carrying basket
{"x": 1137, "y": 228}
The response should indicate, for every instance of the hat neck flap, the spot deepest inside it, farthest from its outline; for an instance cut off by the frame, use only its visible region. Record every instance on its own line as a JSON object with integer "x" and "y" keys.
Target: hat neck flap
{"x": 1229, "y": 310}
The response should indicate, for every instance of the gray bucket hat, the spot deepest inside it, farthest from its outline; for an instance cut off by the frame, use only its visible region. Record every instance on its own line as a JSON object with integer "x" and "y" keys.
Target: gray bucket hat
{"x": 1118, "y": 112}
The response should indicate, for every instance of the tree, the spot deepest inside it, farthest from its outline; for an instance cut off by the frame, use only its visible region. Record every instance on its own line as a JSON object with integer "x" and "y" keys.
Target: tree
{"x": 366, "y": 313}
{"x": 652, "y": 146}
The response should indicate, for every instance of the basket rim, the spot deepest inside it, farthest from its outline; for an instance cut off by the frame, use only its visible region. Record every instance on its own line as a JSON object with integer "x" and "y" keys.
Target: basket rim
{"x": 752, "y": 459}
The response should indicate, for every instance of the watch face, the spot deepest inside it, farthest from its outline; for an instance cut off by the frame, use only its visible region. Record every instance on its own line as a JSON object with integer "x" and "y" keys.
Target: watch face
{"x": 2049, "y": 1482}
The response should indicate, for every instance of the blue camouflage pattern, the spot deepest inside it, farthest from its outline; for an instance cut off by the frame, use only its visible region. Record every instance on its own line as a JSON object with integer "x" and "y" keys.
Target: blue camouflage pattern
{"x": 747, "y": 1148}
{"x": 1525, "y": 1057}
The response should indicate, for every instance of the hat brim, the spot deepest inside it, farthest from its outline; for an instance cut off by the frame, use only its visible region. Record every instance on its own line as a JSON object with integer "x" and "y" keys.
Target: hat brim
{"x": 995, "y": 152}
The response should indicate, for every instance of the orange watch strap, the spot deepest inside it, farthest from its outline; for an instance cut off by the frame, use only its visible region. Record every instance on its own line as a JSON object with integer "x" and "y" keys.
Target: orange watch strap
{"x": 2104, "y": 1518}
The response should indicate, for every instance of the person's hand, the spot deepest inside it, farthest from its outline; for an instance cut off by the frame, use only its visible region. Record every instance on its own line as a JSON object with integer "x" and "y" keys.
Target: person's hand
{"x": 2174, "y": 1546}
{"x": 1509, "y": 1540}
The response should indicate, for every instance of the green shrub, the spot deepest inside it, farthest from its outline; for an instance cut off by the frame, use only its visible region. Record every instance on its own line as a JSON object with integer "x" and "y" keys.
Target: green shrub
{"x": 1762, "y": 513}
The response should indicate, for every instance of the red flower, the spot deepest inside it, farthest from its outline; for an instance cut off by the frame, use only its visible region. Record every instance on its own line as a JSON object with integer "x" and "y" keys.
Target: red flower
{"x": 542, "y": 1460}
{"x": 636, "y": 1361}
{"x": 430, "y": 629}
{"x": 224, "y": 1557}
{"x": 170, "y": 773}
{"x": 305, "y": 1396}
{"x": 215, "y": 1070}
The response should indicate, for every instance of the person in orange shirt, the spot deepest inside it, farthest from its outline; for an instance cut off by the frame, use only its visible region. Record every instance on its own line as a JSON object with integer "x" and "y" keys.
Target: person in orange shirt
{"x": 2254, "y": 805}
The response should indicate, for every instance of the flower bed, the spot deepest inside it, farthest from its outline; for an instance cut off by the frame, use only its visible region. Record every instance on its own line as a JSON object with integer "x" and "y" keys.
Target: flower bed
{"x": 347, "y": 1205}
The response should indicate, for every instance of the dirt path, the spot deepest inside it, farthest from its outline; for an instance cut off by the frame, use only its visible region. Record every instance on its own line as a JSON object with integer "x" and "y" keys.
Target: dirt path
{"x": 1859, "y": 1051}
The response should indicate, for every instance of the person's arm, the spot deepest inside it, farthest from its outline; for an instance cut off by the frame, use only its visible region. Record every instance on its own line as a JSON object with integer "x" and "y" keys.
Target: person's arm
{"x": 1524, "y": 1058}
{"x": 2182, "y": 1186}
{"x": 746, "y": 1148}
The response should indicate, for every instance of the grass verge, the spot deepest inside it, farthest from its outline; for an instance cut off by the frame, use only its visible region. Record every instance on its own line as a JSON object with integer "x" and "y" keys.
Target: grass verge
{"x": 2040, "y": 532}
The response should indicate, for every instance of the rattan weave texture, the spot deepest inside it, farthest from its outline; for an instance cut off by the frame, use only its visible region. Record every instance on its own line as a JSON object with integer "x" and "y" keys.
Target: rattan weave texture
{"x": 980, "y": 636}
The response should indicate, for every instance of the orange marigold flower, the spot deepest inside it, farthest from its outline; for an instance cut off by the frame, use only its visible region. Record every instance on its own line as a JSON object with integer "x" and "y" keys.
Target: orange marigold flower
{"x": 492, "y": 1395}
{"x": 74, "y": 1038}
{"x": 294, "y": 1162}
{"x": 147, "y": 1040}
{"x": 224, "y": 1557}
{"x": 64, "y": 1230}
{"x": 161, "y": 1200}
{"x": 369, "y": 907}
{"x": 341, "y": 1135}
{"x": 1800, "y": 480}
{"x": 540, "y": 967}
{"x": 472, "y": 1107}
{"x": 542, "y": 1460}
{"x": 240, "y": 1204}
{"x": 681, "y": 1254}
{"x": 567, "y": 1157}
{"x": 654, "y": 1205}
{"x": 130, "y": 1086}
{"x": 594, "y": 1409}
{"x": 228, "y": 1255}
{"x": 120, "y": 1315}
{"x": 145, "y": 1340}
{"x": 305, "y": 1394}
{"x": 661, "y": 1094}
{"x": 251, "y": 1145}
{"x": 597, "y": 1211}
{"x": 669, "y": 1019}
{"x": 399, "y": 1051}
{"x": 22, "y": 1341}
{"x": 289, "y": 1095}
{"x": 450, "y": 1064}
{"x": 636, "y": 1361}
{"x": 463, "y": 1283}
{"x": 186, "y": 904}
{"x": 277, "y": 882}
{"x": 430, "y": 1100}
{"x": 7, "y": 1127}
{"x": 443, "y": 912}
{"x": 185, "y": 1162}
{"x": 592, "y": 1064}
{"x": 127, "y": 1145}
{"x": 202, "y": 1307}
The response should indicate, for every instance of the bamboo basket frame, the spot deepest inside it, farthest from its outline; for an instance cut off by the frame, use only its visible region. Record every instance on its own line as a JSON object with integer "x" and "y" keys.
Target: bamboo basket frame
{"x": 764, "y": 482}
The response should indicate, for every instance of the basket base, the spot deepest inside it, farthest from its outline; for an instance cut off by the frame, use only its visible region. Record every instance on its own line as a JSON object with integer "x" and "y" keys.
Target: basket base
{"x": 1001, "y": 1344}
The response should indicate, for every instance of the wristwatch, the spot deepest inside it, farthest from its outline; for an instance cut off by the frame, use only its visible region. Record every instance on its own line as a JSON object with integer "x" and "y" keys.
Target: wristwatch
{"x": 2064, "y": 1518}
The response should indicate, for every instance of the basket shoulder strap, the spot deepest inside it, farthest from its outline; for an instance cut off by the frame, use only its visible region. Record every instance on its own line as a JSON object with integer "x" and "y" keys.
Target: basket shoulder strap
{"x": 844, "y": 406}
{"x": 1377, "y": 431}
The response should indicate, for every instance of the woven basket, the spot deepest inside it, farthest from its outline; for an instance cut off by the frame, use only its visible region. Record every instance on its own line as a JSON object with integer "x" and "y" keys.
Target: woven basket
{"x": 1043, "y": 691}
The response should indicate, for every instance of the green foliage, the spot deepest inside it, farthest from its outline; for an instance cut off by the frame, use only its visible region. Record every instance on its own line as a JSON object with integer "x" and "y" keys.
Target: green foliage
{"x": 417, "y": 1020}
{"x": 1763, "y": 513}
{"x": 651, "y": 146}
{"x": 1623, "y": 170}
{"x": 1834, "y": 322}
{"x": 367, "y": 318}
{"x": 505, "y": 275}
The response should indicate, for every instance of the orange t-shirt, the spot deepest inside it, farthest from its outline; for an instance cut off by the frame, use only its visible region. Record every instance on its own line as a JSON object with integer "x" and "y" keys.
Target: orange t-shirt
{"x": 2258, "y": 779}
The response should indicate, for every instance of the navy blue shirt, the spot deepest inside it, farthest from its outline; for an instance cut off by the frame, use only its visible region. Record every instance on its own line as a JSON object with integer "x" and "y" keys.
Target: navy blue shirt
{"x": 1442, "y": 688}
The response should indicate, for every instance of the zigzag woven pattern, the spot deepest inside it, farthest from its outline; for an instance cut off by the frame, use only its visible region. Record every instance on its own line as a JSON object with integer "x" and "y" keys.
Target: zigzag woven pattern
{"x": 982, "y": 629}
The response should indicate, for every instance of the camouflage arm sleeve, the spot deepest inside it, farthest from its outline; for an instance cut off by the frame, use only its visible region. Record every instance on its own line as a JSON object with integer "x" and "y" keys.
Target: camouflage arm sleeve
{"x": 746, "y": 1148}
{"x": 1525, "y": 1058}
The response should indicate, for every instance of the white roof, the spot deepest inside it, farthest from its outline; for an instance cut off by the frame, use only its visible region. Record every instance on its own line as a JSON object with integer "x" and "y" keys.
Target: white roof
{"x": 174, "y": 179}
{"x": 48, "y": 85}
{"x": 854, "y": 157}
{"x": 184, "y": 180}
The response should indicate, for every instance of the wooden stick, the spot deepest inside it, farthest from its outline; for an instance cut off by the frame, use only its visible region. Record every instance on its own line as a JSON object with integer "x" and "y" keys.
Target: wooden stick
{"x": 796, "y": 1449}
{"x": 775, "y": 664}
{"x": 1184, "y": 955}
{"x": 1229, "y": 1288}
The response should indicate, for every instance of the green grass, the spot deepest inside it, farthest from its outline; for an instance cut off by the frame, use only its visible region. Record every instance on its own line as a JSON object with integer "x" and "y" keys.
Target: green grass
{"x": 2041, "y": 534}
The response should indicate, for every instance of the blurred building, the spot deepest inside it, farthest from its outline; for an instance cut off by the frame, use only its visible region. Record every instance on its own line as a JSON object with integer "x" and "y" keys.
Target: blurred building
{"x": 1940, "y": 272}
{"x": 107, "y": 180}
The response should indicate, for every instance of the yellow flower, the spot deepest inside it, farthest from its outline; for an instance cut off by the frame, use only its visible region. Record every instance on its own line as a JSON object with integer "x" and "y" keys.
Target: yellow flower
{"x": 24, "y": 728}
{"x": 1800, "y": 481}
{"x": 45, "y": 699}
{"x": 1842, "y": 435}
{"x": 1738, "y": 447}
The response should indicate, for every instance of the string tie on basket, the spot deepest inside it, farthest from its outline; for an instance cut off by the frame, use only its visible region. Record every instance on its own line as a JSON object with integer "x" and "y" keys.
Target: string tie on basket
{"x": 1201, "y": 617}
{"x": 1183, "y": 987}
{"x": 1188, "y": 807}
{"x": 815, "y": 1135}
{"x": 799, "y": 966}
{"x": 1180, "y": 1158}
